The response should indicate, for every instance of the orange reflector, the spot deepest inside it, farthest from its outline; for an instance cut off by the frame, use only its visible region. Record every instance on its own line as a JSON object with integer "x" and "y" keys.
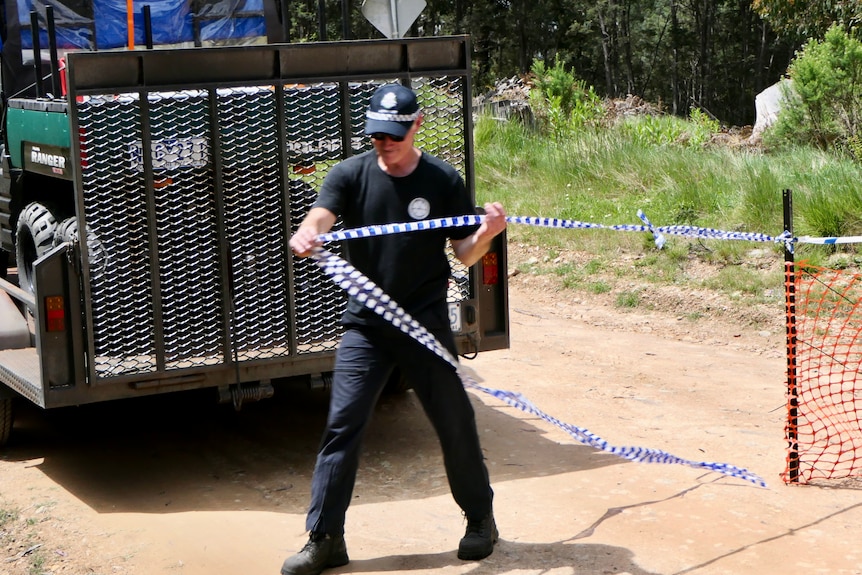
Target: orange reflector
{"x": 490, "y": 273}
{"x": 304, "y": 169}
{"x": 55, "y": 313}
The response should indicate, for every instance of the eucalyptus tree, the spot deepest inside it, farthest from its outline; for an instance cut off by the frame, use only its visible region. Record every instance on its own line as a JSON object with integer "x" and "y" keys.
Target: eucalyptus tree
{"x": 812, "y": 18}
{"x": 712, "y": 54}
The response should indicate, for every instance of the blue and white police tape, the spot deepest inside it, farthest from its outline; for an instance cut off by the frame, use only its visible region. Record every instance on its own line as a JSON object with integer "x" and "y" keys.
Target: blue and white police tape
{"x": 474, "y": 220}
{"x": 371, "y": 296}
{"x": 829, "y": 241}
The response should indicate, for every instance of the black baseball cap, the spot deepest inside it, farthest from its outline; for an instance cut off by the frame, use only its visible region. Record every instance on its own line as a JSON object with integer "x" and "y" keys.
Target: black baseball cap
{"x": 392, "y": 110}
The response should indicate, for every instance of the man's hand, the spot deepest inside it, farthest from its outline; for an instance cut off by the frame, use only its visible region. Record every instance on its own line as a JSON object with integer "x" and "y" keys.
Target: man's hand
{"x": 318, "y": 221}
{"x": 470, "y": 249}
{"x": 495, "y": 220}
{"x": 304, "y": 241}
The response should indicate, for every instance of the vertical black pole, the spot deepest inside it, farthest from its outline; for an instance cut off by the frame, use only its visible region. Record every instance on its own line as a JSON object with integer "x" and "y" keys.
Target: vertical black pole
{"x": 37, "y": 53}
{"x": 790, "y": 308}
{"x": 321, "y": 20}
{"x": 148, "y": 26}
{"x": 345, "y": 19}
{"x": 52, "y": 50}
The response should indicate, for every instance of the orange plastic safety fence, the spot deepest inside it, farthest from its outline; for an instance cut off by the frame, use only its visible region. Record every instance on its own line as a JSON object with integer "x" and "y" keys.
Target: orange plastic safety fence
{"x": 824, "y": 353}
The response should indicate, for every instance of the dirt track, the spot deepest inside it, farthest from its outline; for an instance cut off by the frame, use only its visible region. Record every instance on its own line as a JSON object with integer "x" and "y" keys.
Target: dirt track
{"x": 178, "y": 485}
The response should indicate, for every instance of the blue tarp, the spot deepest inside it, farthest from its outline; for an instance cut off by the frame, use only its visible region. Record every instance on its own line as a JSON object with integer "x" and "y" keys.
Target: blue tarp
{"x": 173, "y": 22}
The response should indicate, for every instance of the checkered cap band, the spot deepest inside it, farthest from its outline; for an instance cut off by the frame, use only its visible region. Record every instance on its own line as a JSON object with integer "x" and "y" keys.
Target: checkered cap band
{"x": 392, "y": 117}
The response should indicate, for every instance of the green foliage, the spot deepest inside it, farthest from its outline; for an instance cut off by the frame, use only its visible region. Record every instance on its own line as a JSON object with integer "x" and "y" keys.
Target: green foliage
{"x": 628, "y": 299}
{"x": 669, "y": 130}
{"x": 562, "y": 103}
{"x": 810, "y": 18}
{"x": 703, "y": 126}
{"x": 606, "y": 176}
{"x": 824, "y": 107}
{"x": 747, "y": 283}
{"x": 653, "y": 130}
{"x": 660, "y": 131}
{"x": 670, "y": 52}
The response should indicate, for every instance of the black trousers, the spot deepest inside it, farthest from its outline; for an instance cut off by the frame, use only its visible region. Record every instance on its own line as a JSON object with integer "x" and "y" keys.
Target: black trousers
{"x": 364, "y": 361}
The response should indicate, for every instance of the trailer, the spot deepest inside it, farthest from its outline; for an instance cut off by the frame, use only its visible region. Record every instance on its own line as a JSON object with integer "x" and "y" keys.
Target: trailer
{"x": 148, "y": 193}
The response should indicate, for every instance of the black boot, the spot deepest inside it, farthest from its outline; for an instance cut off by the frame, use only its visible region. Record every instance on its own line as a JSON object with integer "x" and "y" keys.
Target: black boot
{"x": 478, "y": 542}
{"x": 321, "y": 552}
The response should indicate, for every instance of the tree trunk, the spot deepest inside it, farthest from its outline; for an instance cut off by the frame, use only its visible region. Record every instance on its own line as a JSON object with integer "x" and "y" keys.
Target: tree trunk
{"x": 607, "y": 52}
{"x": 674, "y": 48}
{"x": 704, "y": 77}
{"x": 523, "y": 63}
{"x": 626, "y": 33}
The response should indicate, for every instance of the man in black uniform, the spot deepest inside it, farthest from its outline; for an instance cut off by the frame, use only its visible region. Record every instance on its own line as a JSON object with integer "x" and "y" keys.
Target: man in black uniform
{"x": 396, "y": 182}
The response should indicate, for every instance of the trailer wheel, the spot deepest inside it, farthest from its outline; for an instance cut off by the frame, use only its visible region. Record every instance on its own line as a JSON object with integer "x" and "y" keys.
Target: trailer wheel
{"x": 5, "y": 420}
{"x": 34, "y": 237}
{"x": 67, "y": 231}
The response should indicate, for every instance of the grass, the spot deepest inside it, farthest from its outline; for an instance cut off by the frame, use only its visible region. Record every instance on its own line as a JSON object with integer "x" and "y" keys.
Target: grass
{"x": 7, "y": 516}
{"x": 22, "y": 535}
{"x": 605, "y": 176}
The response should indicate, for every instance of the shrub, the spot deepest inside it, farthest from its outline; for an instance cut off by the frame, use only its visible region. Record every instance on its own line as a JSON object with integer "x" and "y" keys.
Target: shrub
{"x": 561, "y": 102}
{"x": 825, "y": 106}
{"x": 670, "y": 130}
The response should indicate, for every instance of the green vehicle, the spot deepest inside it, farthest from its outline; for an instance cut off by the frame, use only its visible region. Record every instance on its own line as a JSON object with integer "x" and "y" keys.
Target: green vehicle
{"x": 147, "y": 197}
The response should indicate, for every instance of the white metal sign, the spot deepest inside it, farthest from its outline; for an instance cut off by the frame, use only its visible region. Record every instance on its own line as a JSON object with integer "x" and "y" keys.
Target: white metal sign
{"x": 392, "y": 17}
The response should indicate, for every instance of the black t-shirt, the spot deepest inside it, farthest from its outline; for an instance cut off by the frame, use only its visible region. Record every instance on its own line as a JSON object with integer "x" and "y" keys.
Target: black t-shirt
{"x": 411, "y": 267}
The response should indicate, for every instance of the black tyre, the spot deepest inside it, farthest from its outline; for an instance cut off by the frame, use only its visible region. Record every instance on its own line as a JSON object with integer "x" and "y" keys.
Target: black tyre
{"x": 33, "y": 238}
{"x": 67, "y": 231}
{"x": 5, "y": 420}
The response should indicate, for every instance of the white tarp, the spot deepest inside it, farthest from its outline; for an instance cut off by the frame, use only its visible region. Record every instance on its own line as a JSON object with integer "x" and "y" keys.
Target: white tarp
{"x": 767, "y": 105}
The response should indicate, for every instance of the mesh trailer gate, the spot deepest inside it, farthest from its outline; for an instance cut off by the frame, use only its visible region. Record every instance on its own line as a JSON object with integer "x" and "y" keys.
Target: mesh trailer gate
{"x": 196, "y": 166}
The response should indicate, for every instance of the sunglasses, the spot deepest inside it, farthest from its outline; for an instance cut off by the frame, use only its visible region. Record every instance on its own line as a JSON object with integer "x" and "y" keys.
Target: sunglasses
{"x": 379, "y": 136}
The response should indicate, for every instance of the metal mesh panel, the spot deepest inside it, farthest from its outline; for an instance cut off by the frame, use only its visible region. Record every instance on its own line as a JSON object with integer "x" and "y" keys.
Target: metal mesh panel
{"x": 318, "y": 301}
{"x": 122, "y": 306}
{"x": 173, "y": 316}
{"x": 360, "y": 95}
{"x": 442, "y": 135}
{"x": 254, "y": 221}
{"x": 313, "y": 123}
{"x": 187, "y": 240}
{"x": 313, "y": 119}
{"x": 442, "y": 132}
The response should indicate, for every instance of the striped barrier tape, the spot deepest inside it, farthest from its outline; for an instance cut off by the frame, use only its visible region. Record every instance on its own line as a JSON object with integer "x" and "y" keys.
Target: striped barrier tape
{"x": 829, "y": 241}
{"x": 371, "y": 296}
{"x": 474, "y": 220}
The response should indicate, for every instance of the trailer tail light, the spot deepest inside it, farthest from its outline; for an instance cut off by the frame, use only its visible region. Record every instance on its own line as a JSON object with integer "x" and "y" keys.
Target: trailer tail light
{"x": 55, "y": 313}
{"x": 490, "y": 269}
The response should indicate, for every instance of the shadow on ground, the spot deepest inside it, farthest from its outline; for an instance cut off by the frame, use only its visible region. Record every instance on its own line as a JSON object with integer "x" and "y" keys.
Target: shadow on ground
{"x": 509, "y": 556}
{"x": 183, "y": 452}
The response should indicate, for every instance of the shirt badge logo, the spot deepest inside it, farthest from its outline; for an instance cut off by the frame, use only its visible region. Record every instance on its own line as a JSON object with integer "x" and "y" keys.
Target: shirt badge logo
{"x": 419, "y": 209}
